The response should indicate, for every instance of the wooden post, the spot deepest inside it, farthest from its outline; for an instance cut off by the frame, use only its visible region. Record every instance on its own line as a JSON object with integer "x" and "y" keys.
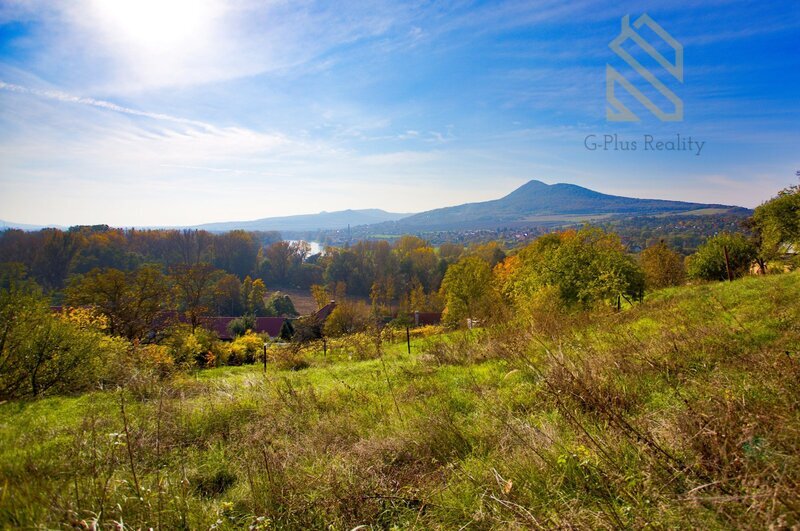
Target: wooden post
{"x": 265, "y": 358}
{"x": 408, "y": 340}
{"x": 727, "y": 263}
{"x": 324, "y": 347}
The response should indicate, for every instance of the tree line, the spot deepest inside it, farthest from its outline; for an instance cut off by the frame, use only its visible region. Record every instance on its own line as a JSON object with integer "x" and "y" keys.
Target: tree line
{"x": 110, "y": 323}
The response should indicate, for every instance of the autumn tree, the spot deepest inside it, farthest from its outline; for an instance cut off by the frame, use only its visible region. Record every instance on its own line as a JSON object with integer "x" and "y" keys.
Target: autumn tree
{"x": 450, "y": 252}
{"x": 228, "y": 296}
{"x": 491, "y": 252}
{"x": 320, "y": 294}
{"x": 194, "y": 287}
{"x": 235, "y": 252}
{"x": 662, "y": 266}
{"x": 130, "y": 301}
{"x": 382, "y": 294}
{"x": 255, "y": 297}
{"x": 191, "y": 246}
{"x": 348, "y": 317}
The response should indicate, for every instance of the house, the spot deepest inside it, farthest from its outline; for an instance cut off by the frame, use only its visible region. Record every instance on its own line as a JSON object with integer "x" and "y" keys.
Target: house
{"x": 273, "y": 326}
{"x": 321, "y": 315}
{"x": 427, "y": 318}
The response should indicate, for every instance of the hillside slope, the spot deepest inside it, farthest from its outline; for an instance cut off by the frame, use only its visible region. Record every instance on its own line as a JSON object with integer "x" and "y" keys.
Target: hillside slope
{"x": 681, "y": 412}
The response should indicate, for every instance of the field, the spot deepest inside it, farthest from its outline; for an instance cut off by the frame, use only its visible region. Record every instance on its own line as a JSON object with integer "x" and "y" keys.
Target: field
{"x": 679, "y": 412}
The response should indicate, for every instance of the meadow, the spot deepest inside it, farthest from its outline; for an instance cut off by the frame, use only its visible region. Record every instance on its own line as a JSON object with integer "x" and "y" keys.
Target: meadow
{"x": 678, "y": 412}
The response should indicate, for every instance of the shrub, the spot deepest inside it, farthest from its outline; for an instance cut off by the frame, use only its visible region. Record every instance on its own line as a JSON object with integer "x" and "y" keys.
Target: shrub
{"x": 292, "y": 356}
{"x": 360, "y": 346}
{"x": 245, "y": 349}
{"x": 347, "y": 318}
{"x": 240, "y": 325}
{"x": 200, "y": 348}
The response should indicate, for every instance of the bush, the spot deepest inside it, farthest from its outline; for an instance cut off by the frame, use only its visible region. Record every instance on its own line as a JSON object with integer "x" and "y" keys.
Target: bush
{"x": 245, "y": 349}
{"x": 291, "y": 356}
{"x": 240, "y": 325}
{"x": 200, "y": 348}
{"x": 662, "y": 266}
{"x": 360, "y": 346}
{"x": 347, "y": 318}
{"x": 141, "y": 369}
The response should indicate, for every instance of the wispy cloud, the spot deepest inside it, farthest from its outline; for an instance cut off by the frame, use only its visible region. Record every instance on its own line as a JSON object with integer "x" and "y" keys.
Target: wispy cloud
{"x": 100, "y": 104}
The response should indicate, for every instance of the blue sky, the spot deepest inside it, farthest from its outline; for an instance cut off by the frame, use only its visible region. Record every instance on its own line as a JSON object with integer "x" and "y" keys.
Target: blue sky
{"x": 145, "y": 112}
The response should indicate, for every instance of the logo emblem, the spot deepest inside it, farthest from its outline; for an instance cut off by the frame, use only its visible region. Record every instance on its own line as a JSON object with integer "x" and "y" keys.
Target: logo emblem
{"x": 617, "y": 111}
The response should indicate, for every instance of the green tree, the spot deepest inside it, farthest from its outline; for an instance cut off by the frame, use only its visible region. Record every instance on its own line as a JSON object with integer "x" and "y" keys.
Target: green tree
{"x": 662, "y": 266}
{"x": 467, "y": 290}
{"x": 585, "y": 266}
{"x": 280, "y": 305}
{"x": 279, "y": 256}
{"x": 43, "y": 353}
{"x": 55, "y": 256}
{"x": 777, "y": 223}
{"x": 240, "y": 325}
{"x": 710, "y": 263}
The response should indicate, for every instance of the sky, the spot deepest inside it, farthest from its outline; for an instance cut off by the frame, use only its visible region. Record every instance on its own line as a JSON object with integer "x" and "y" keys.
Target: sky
{"x": 178, "y": 112}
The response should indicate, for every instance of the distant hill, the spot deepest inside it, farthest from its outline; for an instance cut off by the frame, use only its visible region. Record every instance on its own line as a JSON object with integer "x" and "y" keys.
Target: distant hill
{"x": 308, "y": 222}
{"x": 532, "y": 204}
{"x": 537, "y": 203}
{"x": 25, "y": 226}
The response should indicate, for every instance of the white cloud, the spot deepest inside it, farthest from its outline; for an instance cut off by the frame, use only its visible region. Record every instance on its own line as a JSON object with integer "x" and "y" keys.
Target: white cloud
{"x": 69, "y": 98}
{"x": 124, "y": 46}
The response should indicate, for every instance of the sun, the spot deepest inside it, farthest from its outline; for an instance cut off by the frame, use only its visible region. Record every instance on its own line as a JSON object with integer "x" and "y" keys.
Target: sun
{"x": 156, "y": 25}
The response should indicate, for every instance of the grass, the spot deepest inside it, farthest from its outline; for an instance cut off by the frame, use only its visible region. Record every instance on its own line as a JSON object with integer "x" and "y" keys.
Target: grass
{"x": 680, "y": 412}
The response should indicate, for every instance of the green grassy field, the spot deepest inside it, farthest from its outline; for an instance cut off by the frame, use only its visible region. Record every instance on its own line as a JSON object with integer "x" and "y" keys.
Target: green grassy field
{"x": 680, "y": 412}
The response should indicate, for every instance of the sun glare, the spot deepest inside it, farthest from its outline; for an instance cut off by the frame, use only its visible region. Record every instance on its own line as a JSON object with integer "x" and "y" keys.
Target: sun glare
{"x": 154, "y": 25}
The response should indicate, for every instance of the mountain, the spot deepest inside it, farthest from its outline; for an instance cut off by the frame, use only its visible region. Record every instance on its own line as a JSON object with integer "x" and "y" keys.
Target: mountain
{"x": 532, "y": 204}
{"x": 308, "y": 222}
{"x": 537, "y": 203}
